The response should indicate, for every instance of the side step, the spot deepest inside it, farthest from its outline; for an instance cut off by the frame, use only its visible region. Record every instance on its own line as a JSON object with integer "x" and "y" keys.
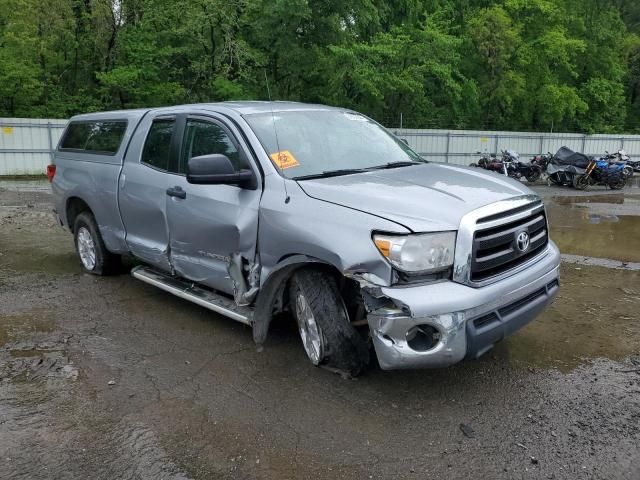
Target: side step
{"x": 198, "y": 295}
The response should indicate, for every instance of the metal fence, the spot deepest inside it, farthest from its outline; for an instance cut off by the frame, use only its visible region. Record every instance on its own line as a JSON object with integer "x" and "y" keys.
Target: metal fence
{"x": 27, "y": 144}
{"x": 461, "y": 147}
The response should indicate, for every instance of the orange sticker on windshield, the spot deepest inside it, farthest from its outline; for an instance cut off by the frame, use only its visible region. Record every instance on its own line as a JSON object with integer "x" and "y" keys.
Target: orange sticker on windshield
{"x": 284, "y": 159}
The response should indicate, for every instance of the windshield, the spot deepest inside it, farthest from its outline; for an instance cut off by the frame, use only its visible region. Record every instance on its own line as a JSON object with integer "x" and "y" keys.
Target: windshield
{"x": 316, "y": 142}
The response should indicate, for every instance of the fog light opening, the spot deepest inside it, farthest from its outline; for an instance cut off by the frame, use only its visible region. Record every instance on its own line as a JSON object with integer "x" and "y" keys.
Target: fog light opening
{"x": 423, "y": 338}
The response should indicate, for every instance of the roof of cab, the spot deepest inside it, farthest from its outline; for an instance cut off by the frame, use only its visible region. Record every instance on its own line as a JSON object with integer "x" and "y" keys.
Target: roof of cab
{"x": 241, "y": 107}
{"x": 249, "y": 107}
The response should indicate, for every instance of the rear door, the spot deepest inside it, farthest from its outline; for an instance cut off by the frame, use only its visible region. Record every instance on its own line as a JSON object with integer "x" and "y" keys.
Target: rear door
{"x": 142, "y": 190}
{"x": 210, "y": 223}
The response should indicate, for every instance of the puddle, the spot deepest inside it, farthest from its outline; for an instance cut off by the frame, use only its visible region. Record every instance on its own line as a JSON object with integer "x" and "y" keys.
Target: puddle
{"x": 31, "y": 352}
{"x": 595, "y": 316}
{"x": 15, "y": 327}
{"x": 34, "y": 252}
{"x": 601, "y": 226}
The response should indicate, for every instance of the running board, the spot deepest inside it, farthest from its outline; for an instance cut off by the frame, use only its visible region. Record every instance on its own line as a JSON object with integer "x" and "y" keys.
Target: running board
{"x": 198, "y": 295}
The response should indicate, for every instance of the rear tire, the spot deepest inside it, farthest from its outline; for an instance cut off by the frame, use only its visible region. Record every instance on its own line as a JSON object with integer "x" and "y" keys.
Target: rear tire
{"x": 628, "y": 171}
{"x": 555, "y": 180}
{"x": 617, "y": 182}
{"x": 94, "y": 256}
{"x": 327, "y": 335}
{"x": 580, "y": 182}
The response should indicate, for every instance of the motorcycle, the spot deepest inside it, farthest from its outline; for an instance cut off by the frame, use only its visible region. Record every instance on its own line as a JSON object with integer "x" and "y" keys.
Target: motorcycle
{"x": 542, "y": 161}
{"x": 517, "y": 169}
{"x": 510, "y": 165}
{"x": 622, "y": 159}
{"x": 489, "y": 162}
{"x": 601, "y": 172}
{"x": 634, "y": 164}
{"x": 565, "y": 165}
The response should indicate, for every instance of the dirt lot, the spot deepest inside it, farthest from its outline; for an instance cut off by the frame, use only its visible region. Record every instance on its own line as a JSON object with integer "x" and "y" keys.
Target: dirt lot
{"x": 108, "y": 378}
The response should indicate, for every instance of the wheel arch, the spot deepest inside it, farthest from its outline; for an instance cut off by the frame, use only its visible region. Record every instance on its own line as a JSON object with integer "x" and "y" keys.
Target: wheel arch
{"x": 75, "y": 206}
{"x": 272, "y": 296}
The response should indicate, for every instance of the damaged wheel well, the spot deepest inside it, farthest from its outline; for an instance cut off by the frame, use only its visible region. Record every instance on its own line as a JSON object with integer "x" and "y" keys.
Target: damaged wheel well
{"x": 75, "y": 206}
{"x": 273, "y": 296}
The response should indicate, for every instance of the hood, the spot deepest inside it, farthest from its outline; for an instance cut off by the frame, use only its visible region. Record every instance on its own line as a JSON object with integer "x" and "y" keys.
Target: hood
{"x": 422, "y": 198}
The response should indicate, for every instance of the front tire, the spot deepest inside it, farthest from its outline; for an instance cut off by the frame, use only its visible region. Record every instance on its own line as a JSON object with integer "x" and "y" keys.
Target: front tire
{"x": 534, "y": 175}
{"x": 328, "y": 338}
{"x": 93, "y": 254}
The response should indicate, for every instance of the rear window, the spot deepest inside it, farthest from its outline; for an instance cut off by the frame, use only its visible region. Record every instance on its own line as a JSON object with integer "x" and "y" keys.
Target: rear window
{"x": 102, "y": 137}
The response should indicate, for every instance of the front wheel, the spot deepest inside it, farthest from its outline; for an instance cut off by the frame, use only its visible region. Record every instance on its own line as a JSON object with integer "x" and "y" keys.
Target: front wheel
{"x": 534, "y": 175}
{"x": 94, "y": 256}
{"x": 327, "y": 335}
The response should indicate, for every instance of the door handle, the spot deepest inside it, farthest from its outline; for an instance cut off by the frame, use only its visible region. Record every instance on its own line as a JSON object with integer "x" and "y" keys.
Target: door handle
{"x": 176, "y": 192}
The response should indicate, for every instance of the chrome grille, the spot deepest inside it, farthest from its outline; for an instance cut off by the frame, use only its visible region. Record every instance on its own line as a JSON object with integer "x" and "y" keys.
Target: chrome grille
{"x": 495, "y": 249}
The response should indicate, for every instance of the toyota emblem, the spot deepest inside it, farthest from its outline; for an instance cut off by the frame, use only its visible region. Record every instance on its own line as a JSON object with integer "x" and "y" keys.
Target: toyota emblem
{"x": 522, "y": 241}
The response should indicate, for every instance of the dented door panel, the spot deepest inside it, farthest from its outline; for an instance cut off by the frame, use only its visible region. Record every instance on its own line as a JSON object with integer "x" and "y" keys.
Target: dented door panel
{"x": 208, "y": 227}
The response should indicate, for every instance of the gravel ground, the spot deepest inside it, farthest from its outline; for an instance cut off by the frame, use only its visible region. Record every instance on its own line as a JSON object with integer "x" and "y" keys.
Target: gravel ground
{"x": 109, "y": 378}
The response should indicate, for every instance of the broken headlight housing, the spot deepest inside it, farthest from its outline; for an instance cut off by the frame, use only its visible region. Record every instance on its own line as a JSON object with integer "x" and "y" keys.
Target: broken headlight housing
{"x": 418, "y": 253}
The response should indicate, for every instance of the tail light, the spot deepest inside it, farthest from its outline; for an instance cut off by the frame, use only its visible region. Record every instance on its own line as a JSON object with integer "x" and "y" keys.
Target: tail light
{"x": 51, "y": 172}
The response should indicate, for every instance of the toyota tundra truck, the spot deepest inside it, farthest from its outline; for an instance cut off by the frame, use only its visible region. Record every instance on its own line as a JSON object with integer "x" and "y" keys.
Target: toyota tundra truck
{"x": 252, "y": 209}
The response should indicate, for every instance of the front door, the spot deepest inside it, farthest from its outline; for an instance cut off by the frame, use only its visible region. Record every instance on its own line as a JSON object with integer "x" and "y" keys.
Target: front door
{"x": 210, "y": 223}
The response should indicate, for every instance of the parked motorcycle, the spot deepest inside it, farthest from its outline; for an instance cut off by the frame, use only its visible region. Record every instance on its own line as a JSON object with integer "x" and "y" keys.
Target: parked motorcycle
{"x": 601, "y": 172}
{"x": 542, "y": 161}
{"x": 620, "y": 158}
{"x": 489, "y": 162}
{"x": 635, "y": 164}
{"x": 510, "y": 165}
{"x": 565, "y": 165}
{"x": 517, "y": 169}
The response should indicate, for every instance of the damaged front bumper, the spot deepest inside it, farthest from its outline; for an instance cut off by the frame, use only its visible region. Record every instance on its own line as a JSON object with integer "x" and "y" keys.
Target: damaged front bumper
{"x": 438, "y": 325}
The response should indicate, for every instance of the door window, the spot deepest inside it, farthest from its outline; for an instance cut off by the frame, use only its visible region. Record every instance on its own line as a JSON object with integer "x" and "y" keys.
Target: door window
{"x": 157, "y": 147}
{"x": 206, "y": 138}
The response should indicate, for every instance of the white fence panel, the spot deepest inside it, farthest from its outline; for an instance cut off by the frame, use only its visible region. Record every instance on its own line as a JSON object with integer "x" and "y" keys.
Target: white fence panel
{"x": 26, "y": 144}
{"x": 461, "y": 147}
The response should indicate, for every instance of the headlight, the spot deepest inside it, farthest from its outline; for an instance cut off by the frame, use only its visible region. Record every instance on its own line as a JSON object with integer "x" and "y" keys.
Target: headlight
{"x": 425, "y": 253}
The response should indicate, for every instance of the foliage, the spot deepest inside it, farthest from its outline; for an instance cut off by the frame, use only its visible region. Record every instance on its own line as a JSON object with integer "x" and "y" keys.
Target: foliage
{"x": 500, "y": 64}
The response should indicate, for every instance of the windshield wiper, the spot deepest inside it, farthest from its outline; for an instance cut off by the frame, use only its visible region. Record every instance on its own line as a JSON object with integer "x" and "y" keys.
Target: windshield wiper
{"x": 350, "y": 171}
{"x": 405, "y": 163}
{"x": 332, "y": 173}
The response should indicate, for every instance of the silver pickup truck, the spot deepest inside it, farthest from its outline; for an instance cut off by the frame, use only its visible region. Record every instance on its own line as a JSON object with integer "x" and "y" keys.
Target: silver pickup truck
{"x": 251, "y": 209}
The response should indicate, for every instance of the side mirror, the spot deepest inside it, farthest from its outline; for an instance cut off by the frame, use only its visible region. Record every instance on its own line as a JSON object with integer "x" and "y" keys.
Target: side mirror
{"x": 217, "y": 169}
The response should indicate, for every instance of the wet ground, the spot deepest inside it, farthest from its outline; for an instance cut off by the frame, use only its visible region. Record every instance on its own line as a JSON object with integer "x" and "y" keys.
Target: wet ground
{"x": 108, "y": 378}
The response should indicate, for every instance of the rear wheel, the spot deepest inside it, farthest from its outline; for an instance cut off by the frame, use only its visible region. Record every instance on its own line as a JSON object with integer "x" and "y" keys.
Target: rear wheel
{"x": 94, "y": 256}
{"x": 327, "y": 335}
{"x": 580, "y": 182}
{"x": 555, "y": 179}
{"x": 616, "y": 182}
